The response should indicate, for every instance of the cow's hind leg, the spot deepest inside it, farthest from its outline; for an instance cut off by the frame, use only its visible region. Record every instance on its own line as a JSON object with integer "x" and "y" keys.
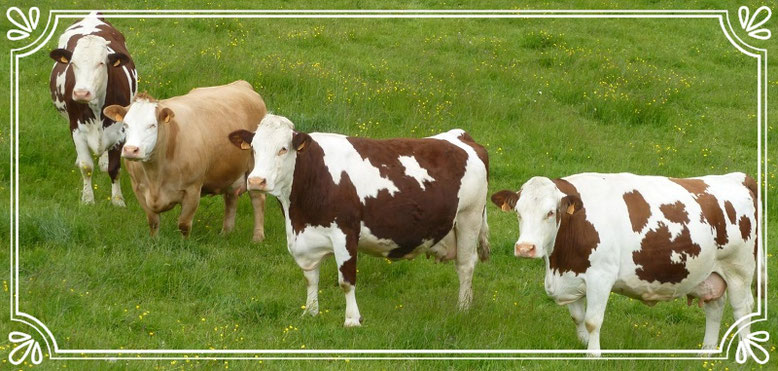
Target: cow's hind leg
{"x": 742, "y": 301}
{"x": 230, "y": 209}
{"x": 113, "y": 166}
{"x": 467, "y": 228}
{"x": 345, "y": 248}
{"x": 85, "y": 165}
{"x": 312, "y": 299}
{"x": 714, "y": 309}
{"x": 578, "y": 313}
{"x": 258, "y": 203}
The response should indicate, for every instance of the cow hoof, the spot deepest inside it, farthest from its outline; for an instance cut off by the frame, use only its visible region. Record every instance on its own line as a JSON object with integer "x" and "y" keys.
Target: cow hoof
{"x": 258, "y": 238}
{"x": 594, "y": 354}
{"x": 352, "y": 322}
{"x": 118, "y": 201}
{"x": 312, "y": 312}
{"x": 88, "y": 199}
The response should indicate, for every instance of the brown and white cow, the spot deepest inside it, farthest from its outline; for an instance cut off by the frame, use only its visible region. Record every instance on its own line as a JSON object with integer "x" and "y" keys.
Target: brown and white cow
{"x": 178, "y": 150}
{"x": 392, "y": 198}
{"x": 93, "y": 70}
{"x": 647, "y": 237}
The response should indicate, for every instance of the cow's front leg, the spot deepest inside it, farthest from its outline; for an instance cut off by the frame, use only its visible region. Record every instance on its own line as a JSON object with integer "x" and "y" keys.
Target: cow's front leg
{"x": 85, "y": 165}
{"x": 312, "y": 300}
{"x": 345, "y": 248}
{"x": 230, "y": 209}
{"x": 596, "y": 300}
{"x": 258, "y": 203}
{"x": 189, "y": 204}
{"x": 113, "y": 166}
{"x": 578, "y": 313}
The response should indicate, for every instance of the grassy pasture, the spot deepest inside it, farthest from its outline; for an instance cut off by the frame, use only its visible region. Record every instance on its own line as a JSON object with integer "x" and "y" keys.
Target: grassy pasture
{"x": 546, "y": 97}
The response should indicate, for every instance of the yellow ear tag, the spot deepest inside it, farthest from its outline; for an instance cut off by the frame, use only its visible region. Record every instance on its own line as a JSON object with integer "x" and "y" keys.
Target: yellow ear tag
{"x": 571, "y": 209}
{"x": 167, "y": 119}
{"x": 244, "y": 145}
{"x": 300, "y": 147}
{"x": 505, "y": 207}
{"x": 63, "y": 59}
{"x": 117, "y": 62}
{"x": 119, "y": 118}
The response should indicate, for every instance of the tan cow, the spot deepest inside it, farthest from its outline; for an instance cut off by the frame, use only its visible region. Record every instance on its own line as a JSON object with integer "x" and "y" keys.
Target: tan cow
{"x": 177, "y": 150}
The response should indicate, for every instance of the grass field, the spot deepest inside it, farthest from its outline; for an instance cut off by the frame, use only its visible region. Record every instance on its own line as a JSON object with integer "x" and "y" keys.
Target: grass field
{"x": 546, "y": 97}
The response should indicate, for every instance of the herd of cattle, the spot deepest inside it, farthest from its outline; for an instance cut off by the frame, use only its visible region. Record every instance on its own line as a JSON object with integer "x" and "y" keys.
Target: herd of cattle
{"x": 648, "y": 237}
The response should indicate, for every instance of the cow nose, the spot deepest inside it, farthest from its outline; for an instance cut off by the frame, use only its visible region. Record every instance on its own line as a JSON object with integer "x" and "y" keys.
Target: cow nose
{"x": 82, "y": 95}
{"x": 257, "y": 183}
{"x": 130, "y": 151}
{"x": 524, "y": 250}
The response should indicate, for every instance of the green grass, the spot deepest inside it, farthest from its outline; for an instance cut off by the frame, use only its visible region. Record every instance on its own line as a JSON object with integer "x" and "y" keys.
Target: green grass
{"x": 546, "y": 97}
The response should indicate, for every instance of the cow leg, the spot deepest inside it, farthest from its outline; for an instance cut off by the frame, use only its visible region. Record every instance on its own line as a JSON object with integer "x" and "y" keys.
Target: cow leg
{"x": 714, "y": 309}
{"x": 258, "y": 202}
{"x": 742, "y": 301}
{"x": 578, "y": 312}
{"x": 114, "y": 163}
{"x": 312, "y": 301}
{"x": 103, "y": 162}
{"x": 345, "y": 248}
{"x": 230, "y": 209}
{"x": 467, "y": 242}
{"x": 85, "y": 165}
{"x": 596, "y": 300}
{"x": 189, "y": 205}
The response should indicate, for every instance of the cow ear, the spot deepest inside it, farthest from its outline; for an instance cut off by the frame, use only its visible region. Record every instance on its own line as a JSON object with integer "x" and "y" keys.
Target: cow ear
{"x": 165, "y": 115}
{"x": 570, "y": 204}
{"x": 115, "y": 112}
{"x": 241, "y": 138}
{"x": 505, "y": 199}
{"x": 118, "y": 59}
{"x": 300, "y": 140}
{"x": 61, "y": 55}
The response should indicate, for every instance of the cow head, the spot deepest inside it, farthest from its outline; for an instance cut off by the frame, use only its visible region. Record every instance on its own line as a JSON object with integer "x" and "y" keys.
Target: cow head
{"x": 541, "y": 208}
{"x": 140, "y": 121}
{"x": 275, "y": 145}
{"x": 90, "y": 61}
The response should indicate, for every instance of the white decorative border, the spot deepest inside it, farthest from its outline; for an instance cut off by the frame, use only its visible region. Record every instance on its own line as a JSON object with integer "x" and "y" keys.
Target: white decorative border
{"x": 749, "y": 23}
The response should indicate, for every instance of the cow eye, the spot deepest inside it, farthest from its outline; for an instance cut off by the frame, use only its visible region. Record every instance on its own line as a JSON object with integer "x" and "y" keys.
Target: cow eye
{"x": 152, "y": 126}
{"x": 282, "y": 151}
{"x": 550, "y": 214}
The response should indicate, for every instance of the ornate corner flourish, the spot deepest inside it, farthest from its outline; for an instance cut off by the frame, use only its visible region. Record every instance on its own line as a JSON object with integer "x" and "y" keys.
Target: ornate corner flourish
{"x": 750, "y": 24}
{"x": 26, "y": 344}
{"x": 746, "y": 348}
{"x": 27, "y": 24}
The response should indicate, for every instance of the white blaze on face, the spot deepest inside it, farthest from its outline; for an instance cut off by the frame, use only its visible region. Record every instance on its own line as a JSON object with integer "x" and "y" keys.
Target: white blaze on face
{"x": 537, "y": 213}
{"x": 86, "y": 26}
{"x": 140, "y": 124}
{"x": 89, "y": 60}
{"x": 274, "y": 157}
{"x": 415, "y": 171}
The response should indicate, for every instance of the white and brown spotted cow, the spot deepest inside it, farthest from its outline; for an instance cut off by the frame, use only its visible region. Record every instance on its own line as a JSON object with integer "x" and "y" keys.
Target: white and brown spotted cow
{"x": 93, "y": 70}
{"x": 393, "y": 198}
{"x": 648, "y": 237}
{"x": 177, "y": 150}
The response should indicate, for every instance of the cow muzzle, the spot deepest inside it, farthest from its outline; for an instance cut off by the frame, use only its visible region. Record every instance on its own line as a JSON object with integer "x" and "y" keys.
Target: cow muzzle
{"x": 257, "y": 184}
{"x": 524, "y": 250}
{"x": 82, "y": 95}
{"x": 131, "y": 152}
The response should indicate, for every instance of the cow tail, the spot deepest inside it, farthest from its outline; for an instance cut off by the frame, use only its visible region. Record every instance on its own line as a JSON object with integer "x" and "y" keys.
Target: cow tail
{"x": 484, "y": 249}
{"x": 752, "y": 186}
